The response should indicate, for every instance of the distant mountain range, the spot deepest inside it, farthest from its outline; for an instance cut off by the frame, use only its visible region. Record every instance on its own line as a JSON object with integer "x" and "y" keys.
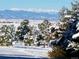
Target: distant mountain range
{"x": 21, "y": 14}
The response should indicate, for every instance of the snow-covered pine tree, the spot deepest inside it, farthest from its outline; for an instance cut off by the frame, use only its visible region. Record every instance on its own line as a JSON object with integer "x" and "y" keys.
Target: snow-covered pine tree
{"x": 69, "y": 25}
{"x": 70, "y": 39}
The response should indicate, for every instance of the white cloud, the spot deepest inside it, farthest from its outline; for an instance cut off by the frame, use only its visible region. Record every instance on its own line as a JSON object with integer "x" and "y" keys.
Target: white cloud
{"x": 36, "y": 10}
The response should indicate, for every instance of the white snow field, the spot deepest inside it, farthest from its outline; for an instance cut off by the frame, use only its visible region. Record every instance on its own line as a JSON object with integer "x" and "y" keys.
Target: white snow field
{"x": 30, "y": 52}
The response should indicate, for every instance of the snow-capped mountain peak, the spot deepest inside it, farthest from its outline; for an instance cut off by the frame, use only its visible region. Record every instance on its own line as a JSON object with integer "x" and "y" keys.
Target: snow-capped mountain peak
{"x": 29, "y": 14}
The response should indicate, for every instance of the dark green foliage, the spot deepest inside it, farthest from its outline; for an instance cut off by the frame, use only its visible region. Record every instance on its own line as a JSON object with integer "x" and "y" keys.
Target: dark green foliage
{"x": 40, "y": 37}
{"x": 22, "y": 29}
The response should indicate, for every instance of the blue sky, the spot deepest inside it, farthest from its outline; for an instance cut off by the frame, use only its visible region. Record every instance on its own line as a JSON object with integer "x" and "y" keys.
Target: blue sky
{"x": 24, "y": 4}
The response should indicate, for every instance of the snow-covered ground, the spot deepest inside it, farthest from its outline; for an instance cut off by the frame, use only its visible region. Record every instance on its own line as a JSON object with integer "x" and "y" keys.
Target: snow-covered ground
{"x": 30, "y": 52}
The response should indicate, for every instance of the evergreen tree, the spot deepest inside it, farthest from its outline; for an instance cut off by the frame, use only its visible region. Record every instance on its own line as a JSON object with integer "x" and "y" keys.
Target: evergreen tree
{"x": 69, "y": 21}
{"x": 22, "y": 30}
{"x": 9, "y": 34}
